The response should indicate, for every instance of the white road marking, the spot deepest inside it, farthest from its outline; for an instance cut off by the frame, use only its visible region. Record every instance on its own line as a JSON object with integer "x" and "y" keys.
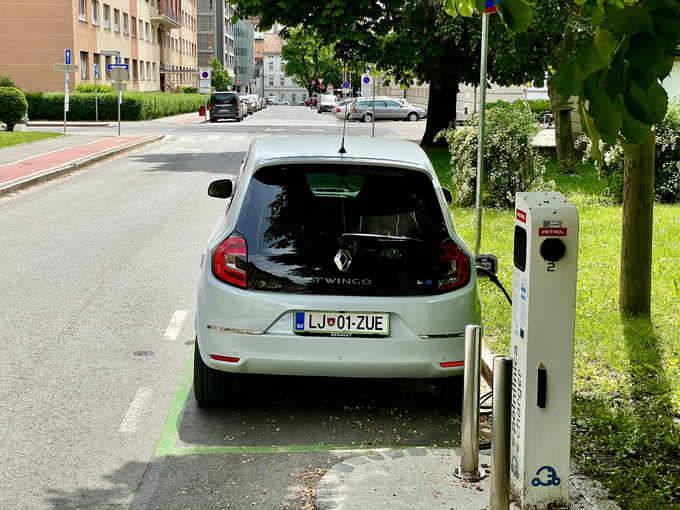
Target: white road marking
{"x": 274, "y": 129}
{"x": 238, "y": 137}
{"x": 212, "y": 137}
{"x": 187, "y": 138}
{"x": 131, "y": 420}
{"x": 172, "y": 331}
{"x": 312, "y": 130}
{"x": 191, "y": 151}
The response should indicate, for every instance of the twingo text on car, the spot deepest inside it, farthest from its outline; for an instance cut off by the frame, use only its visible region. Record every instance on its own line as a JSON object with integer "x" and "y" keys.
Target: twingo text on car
{"x": 225, "y": 105}
{"x": 385, "y": 108}
{"x": 331, "y": 263}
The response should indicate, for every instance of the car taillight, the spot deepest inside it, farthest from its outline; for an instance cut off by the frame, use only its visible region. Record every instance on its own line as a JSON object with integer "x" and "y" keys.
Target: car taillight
{"x": 354, "y": 110}
{"x": 230, "y": 260}
{"x": 237, "y": 105}
{"x": 455, "y": 265}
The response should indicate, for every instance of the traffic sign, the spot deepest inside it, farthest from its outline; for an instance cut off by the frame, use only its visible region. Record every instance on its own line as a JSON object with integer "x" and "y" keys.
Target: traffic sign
{"x": 96, "y": 70}
{"x": 204, "y": 73}
{"x": 119, "y": 74}
{"x": 366, "y": 79}
{"x": 120, "y": 66}
{"x": 122, "y": 87}
{"x": 204, "y": 83}
{"x": 313, "y": 83}
{"x": 109, "y": 53}
{"x": 345, "y": 85}
{"x": 330, "y": 86}
{"x": 320, "y": 81}
{"x": 238, "y": 82}
{"x": 490, "y": 7}
{"x": 67, "y": 57}
{"x": 66, "y": 67}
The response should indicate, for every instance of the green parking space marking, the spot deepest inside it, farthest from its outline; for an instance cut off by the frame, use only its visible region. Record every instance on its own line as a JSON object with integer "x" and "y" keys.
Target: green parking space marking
{"x": 167, "y": 439}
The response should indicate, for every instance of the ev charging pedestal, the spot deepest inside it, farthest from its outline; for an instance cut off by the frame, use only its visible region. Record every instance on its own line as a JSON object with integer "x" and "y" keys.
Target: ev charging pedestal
{"x": 542, "y": 348}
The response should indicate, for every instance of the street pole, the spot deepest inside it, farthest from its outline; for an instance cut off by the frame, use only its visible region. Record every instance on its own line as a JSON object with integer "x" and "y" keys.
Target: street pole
{"x": 480, "y": 136}
{"x": 96, "y": 104}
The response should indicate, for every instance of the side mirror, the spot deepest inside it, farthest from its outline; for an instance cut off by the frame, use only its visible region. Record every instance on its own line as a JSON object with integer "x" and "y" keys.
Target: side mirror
{"x": 220, "y": 189}
{"x": 447, "y": 195}
{"x": 487, "y": 262}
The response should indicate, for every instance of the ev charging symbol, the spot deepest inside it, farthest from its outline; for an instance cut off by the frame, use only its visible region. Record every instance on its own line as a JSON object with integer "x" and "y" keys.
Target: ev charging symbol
{"x": 553, "y": 479}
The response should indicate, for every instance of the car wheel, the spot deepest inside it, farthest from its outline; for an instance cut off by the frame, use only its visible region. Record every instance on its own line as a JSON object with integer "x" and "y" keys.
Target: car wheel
{"x": 213, "y": 120}
{"x": 450, "y": 392}
{"x": 368, "y": 117}
{"x": 318, "y": 110}
{"x": 413, "y": 116}
{"x": 210, "y": 386}
{"x": 350, "y": 118}
{"x": 239, "y": 119}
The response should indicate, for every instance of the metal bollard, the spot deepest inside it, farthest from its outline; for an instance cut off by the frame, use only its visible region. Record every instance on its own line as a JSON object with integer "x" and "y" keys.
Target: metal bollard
{"x": 500, "y": 433}
{"x": 469, "y": 434}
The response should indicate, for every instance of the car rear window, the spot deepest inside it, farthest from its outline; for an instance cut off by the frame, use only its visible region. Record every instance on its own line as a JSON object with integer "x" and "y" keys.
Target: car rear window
{"x": 223, "y": 99}
{"x": 346, "y": 230}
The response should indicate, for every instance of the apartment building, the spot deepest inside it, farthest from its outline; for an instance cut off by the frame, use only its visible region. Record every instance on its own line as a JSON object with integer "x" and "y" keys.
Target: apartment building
{"x": 276, "y": 83}
{"x": 216, "y": 34}
{"x": 156, "y": 38}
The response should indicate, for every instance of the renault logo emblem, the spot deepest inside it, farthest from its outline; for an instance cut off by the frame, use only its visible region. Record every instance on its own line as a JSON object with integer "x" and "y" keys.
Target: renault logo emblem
{"x": 343, "y": 259}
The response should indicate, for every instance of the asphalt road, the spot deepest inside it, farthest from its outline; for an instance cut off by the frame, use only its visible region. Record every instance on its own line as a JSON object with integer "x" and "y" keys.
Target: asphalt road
{"x": 98, "y": 280}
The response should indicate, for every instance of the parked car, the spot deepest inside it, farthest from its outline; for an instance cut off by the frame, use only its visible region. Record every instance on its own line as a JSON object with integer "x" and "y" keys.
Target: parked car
{"x": 225, "y": 105}
{"x": 244, "y": 109}
{"x": 249, "y": 105}
{"x": 327, "y": 103}
{"x": 254, "y": 100}
{"x": 307, "y": 102}
{"x": 329, "y": 264}
{"x": 342, "y": 108}
{"x": 385, "y": 108}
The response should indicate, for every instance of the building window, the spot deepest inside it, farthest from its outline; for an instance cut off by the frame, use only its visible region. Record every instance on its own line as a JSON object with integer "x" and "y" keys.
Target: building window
{"x": 83, "y": 64}
{"x": 153, "y": 71}
{"x": 133, "y": 26}
{"x": 147, "y": 32}
{"x": 134, "y": 68}
{"x": 271, "y": 65}
{"x": 271, "y": 81}
{"x": 125, "y": 24}
{"x": 107, "y": 14}
{"x": 282, "y": 81}
{"x": 81, "y": 10}
{"x": 141, "y": 69}
{"x": 107, "y": 61}
{"x": 95, "y": 12}
{"x": 141, "y": 29}
{"x": 116, "y": 20}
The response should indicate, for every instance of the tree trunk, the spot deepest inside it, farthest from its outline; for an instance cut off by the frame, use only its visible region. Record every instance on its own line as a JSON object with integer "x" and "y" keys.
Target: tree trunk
{"x": 635, "y": 295}
{"x": 441, "y": 112}
{"x": 564, "y": 140}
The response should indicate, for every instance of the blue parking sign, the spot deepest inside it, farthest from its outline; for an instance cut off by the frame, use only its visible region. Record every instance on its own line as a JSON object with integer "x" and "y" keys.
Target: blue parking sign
{"x": 67, "y": 57}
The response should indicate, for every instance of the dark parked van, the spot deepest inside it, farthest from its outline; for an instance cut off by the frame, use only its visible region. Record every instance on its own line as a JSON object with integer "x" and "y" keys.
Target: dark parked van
{"x": 225, "y": 105}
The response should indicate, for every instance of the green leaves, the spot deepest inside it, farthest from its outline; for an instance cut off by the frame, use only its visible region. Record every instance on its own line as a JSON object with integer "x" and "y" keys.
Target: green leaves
{"x": 516, "y": 14}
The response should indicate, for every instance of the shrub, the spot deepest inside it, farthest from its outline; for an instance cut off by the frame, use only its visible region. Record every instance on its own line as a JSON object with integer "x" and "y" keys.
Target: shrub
{"x": 511, "y": 164}
{"x": 6, "y": 81}
{"x": 135, "y": 106}
{"x": 666, "y": 163}
{"x": 13, "y": 106}
{"x": 82, "y": 88}
{"x": 188, "y": 90}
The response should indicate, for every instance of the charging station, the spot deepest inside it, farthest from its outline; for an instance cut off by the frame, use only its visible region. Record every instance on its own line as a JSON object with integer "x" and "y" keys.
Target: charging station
{"x": 542, "y": 348}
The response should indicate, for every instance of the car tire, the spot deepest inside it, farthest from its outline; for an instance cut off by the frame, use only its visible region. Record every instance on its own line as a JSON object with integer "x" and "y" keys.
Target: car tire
{"x": 350, "y": 118}
{"x": 211, "y": 386}
{"x": 412, "y": 117}
{"x": 213, "y": 120}
{"x": 239, "y": 119}
{"x": 318, "y": 110}
{"x": 450, "y": 392}
{"x": 368, "y": 117}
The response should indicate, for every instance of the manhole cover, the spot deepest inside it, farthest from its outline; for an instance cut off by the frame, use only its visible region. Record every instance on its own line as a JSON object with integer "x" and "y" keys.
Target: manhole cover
{"x": 143, "y": 353}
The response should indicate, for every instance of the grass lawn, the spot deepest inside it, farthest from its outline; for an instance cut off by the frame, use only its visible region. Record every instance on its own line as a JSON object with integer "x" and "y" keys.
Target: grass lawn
{"x": 626, "y": 392}
{"x": 10, "y": 138}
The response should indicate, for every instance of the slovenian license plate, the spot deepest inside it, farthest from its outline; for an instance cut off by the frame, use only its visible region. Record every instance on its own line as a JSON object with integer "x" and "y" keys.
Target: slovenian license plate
{"x": 341, "y": 323}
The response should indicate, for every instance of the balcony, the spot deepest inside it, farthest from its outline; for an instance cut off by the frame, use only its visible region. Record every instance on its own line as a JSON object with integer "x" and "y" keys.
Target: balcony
{"x": 163, "y": 14}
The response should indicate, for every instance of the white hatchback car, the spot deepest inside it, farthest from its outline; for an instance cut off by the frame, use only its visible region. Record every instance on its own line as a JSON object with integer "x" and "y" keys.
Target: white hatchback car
{"x": 333, "y": 262}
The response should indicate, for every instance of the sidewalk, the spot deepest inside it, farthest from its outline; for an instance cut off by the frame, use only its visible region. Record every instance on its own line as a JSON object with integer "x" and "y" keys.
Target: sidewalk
{"x": 25, "y": 165}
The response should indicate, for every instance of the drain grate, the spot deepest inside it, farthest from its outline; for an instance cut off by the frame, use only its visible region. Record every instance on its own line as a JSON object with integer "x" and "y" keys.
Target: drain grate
{"x": 576, "y": 499}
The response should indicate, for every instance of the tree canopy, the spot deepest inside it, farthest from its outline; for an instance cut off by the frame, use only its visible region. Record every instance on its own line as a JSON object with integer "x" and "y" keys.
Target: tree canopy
{"x": 220, "y": 79}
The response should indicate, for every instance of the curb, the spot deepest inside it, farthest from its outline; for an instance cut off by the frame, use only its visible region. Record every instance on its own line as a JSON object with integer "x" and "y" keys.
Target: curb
{"x": 77, "y": 164}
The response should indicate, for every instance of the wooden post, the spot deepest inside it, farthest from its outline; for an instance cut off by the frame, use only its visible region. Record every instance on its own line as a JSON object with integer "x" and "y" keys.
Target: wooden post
{"x": 635, "y": 292}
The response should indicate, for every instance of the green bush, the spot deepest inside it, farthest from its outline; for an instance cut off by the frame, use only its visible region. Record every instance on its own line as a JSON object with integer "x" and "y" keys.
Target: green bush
{"x": 511, "y": 164}
{"x": 13, "y": 106}
{"x": 135, "y": 105}
{"x": 188, "y": 90}
{"x": 539, "y": 106}
{"x": 82, "y": 88}
{"x": 6, "y": 81}
{"x": 666, "y": 162}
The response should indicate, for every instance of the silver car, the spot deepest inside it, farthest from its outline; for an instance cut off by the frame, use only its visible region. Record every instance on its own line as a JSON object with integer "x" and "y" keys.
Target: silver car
{"x": 385, "y": 109}
{"x": 332, "y": 263}
{"x": 342, "y": 109}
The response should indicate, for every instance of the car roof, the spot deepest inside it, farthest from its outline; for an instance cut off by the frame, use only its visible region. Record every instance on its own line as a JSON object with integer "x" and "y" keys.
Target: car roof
{"x": 320, "y": 148}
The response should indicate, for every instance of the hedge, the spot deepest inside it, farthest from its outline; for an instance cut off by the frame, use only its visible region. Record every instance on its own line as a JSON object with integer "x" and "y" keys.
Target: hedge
{"x": 13, "y": 106}
{"x": 135, "y": 105}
